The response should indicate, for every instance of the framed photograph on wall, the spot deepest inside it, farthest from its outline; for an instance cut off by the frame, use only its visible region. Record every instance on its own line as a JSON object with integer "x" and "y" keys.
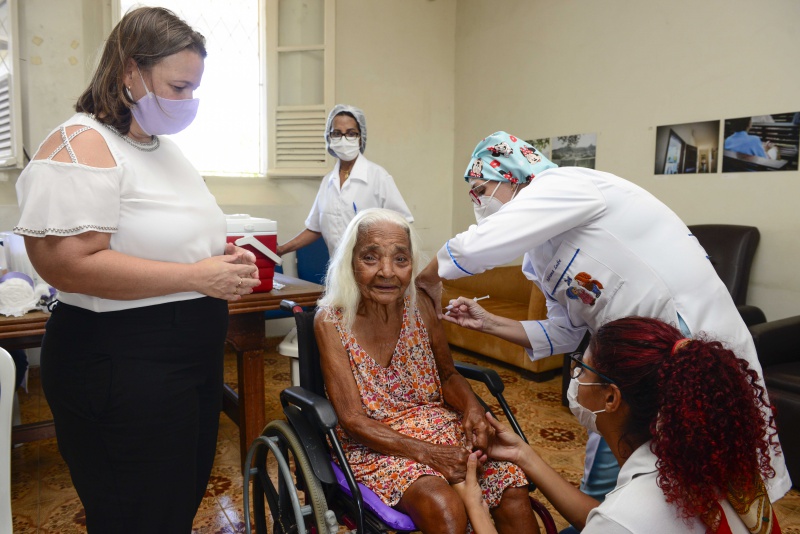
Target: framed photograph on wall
{"x": 674, "y": 155}
{"x": 761, "y": 143}
{"x": 688, "y": 148}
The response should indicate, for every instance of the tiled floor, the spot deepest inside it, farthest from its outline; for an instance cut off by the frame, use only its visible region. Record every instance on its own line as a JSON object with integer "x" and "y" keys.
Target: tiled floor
{"x": 43, "y": 500}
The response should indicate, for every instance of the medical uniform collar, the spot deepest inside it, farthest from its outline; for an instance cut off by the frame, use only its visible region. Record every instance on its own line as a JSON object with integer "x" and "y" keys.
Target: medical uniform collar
{"x": 641, "y": 462}
{"x": 359, "y": 170}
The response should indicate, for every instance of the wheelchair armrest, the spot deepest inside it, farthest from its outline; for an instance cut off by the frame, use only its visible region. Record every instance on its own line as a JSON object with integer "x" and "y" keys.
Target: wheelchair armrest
{"x": 311, "y": 403}
{"x": 481, "y": 374}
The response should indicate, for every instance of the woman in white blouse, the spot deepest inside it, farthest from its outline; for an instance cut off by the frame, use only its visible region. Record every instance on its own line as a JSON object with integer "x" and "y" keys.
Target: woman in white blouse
{"x": 118, "y": 221}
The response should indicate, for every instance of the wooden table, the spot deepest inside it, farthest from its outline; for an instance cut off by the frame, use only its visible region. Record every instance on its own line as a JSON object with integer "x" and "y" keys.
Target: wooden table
{"x": 245, "y": 334}
{"x": 26, "y": 333}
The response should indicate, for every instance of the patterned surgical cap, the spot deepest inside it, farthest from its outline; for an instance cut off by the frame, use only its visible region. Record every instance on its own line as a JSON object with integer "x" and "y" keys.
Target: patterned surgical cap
{"x": 501, "y": 157}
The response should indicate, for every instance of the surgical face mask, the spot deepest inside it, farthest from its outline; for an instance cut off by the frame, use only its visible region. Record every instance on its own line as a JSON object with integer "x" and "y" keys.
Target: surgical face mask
{"x": 161, "y": 116}
{"x": 346, "y": 150}
{"x": 586, "y": 417}
{"x": 488, "y": 206}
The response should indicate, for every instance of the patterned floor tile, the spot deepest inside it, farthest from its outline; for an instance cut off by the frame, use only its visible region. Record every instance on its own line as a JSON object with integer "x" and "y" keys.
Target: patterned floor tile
{"x": 44, "y": 501}
{"x": 25, "y": 518}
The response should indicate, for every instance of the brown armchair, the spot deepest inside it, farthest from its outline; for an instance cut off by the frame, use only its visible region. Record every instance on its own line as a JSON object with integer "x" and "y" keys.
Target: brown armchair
{"x": 513, "y": 296}
{"x": 731, "y": 249}
{"x": 778, "y": 352}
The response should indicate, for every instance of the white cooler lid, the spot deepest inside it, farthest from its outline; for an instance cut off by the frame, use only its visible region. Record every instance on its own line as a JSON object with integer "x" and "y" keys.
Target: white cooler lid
{"x": 240, "y": 223}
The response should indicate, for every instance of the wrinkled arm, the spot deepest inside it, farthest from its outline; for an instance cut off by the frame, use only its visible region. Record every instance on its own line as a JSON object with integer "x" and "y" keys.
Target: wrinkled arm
{"x": 346, "y": 399}
{"x": 456, "y": 390}
{"x": 429, "y": 282}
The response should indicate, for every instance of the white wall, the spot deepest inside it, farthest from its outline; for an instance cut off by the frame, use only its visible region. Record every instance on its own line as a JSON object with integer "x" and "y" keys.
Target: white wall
{"x": 394, "y": 60}
{"x": 398, "y": 67}
{"x": 57, "y": 44}
{"x": 435, "y": 76}
{"x": 622, "y": 68}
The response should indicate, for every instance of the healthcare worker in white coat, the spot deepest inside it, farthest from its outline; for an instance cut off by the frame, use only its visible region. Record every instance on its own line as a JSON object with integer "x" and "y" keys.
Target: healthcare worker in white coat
{"x": 354, "y": 184}
{"x": 600, "y": 248}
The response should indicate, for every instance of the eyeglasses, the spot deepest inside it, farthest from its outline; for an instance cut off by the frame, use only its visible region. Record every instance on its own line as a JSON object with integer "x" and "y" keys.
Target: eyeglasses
{"x": 577, "y": 366}
{"x": 477, "y": 191}
{"x": 350, "y": 135}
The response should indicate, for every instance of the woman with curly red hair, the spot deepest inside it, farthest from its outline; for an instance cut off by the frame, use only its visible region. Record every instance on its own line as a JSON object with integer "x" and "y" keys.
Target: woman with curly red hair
{"x": 684, "y": 419}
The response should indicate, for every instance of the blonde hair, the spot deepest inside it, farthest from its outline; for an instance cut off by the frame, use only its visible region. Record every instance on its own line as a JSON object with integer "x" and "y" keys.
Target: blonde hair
{"x": 341, "y": 289}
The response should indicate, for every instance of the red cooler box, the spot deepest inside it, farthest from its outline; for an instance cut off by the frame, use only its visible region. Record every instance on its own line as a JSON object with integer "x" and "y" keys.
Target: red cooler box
{"x": 259, "y": 236}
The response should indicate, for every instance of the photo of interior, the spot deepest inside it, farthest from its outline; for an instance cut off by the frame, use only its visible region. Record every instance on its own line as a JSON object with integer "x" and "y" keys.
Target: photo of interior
{"x": 761, "y": 143}
{"x": 287, "y": 266}
{"x": 687, "y": 148}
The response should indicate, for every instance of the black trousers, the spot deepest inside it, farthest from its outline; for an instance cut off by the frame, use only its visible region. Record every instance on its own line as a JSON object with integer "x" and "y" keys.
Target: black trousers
{"x": 136, "y": 397}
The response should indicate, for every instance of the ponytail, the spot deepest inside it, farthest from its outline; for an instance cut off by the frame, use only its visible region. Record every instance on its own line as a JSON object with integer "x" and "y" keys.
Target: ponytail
{"x": 700, "y": 405}
{"x": 710, "y": 421}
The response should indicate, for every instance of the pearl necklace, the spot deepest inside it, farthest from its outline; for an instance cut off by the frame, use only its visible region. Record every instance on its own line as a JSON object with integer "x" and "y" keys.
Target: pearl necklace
{"x": 144, "y": 147}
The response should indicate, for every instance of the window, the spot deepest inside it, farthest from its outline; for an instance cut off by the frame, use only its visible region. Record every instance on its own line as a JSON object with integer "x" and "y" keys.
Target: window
{"x": 301, "y": 86}
{"x": 10, "y": 109}
{"x": 228, "y": 137}
{"x": 246, "y": 126}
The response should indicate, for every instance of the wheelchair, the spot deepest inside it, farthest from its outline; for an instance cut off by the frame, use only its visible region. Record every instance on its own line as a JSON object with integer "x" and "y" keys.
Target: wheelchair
{"x": 291, "y": 468}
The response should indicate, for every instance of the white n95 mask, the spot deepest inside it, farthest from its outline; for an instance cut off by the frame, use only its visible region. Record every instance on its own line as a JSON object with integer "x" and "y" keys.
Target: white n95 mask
{"x": 586, "y": 417}
{"x": 346, "y": 150}
{"x": 488, "y": 206}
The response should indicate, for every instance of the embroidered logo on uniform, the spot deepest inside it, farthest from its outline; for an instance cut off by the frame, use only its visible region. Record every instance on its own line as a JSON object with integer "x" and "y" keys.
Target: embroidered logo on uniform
{"x": 553, "y": 270}
{"x": 585, "y": 288}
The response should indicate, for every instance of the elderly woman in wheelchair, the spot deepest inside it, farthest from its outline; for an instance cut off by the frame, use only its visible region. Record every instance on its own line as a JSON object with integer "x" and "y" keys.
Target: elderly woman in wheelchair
{"x": 408, "y": 420}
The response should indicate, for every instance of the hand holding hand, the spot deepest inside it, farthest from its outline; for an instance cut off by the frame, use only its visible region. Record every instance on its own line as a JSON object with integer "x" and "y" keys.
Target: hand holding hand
{"x": 469, "y": 490}
{"x": 227, "y": 277}
{"x": 245, "y": 257}
{"x": 506, "y": 445}
{"x": 479, "y": 433}
{"x": 449, "y": 460}
{"x": 466, "y": 312}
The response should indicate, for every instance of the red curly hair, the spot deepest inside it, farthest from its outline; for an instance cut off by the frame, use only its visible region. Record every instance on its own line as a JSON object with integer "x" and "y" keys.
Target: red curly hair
{"x": 701, "y": 406}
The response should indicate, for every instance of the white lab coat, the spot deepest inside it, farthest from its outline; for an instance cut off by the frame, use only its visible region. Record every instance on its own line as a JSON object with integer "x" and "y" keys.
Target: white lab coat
{"x": 638, "y": 506}
{"x": 602, "y": 248}
{"x": 368, "y": 186}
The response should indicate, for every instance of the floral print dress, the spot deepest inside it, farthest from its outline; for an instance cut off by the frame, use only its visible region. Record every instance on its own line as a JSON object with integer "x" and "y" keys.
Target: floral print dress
{"x": 407, "y": 396}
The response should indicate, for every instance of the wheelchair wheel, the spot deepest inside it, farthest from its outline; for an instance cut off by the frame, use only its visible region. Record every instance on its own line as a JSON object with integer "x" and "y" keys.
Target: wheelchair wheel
{"x": 297, "y": 504}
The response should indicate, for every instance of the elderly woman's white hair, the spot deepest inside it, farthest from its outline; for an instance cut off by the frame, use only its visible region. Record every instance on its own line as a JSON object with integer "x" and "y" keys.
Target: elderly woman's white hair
{"x": 341, "y": 289}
